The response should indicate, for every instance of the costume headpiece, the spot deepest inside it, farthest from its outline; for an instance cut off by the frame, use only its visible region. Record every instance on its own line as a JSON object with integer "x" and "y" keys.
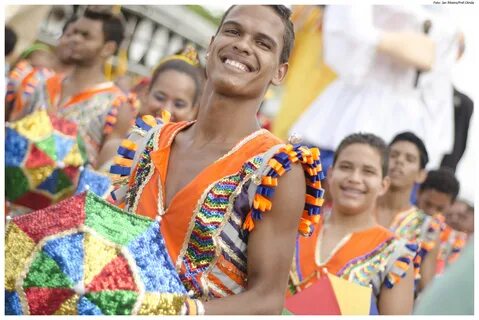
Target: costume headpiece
{"x": 188, "y": 55}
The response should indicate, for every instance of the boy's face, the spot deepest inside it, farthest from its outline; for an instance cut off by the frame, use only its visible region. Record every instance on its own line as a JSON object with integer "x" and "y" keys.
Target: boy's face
{"x": 460, "y": 218}
{"x": 404, "y": 165}
{"x": 432, "y": 201}
{"x": 243, "y": 58}
{"x": 356, "y": 180}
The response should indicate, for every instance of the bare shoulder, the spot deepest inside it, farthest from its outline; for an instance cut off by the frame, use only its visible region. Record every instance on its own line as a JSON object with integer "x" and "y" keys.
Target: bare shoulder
{"x": 288, "y": 199}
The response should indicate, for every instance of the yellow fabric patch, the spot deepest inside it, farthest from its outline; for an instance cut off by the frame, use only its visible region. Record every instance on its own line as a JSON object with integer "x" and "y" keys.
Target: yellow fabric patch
{"x": 161, "y": 304}
{"x": 69, "y": 307}
{"x": 37, "y": 175}
{"x": 36, "y": 126}
{"x": 18, "y": 247}
{"x": 73, "y": 158}
{"x": 353, "y": 299}
{"x": 97, "y": 256}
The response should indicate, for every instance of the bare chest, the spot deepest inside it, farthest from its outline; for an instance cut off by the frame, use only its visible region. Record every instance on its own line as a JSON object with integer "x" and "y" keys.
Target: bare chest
{"x": 184, "y": 166}
{"x": 329, "y": 242}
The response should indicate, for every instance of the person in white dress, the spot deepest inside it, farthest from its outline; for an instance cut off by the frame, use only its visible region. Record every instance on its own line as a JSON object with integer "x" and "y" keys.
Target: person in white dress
{"x": 377, "y": 52}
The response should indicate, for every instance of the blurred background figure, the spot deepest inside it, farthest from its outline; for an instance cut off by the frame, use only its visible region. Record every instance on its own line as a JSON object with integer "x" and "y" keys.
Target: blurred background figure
{"x": 438, "y": 192}
{"x": 32, "y": 71}
{"x": 308, "y": 75}
{"x": 10, "y": 42}
{"x": 175, "y": 86}
{"x": 378, "y": 89}
{"x": 25, "y": 20}
{"x": 460, "y": 217}
{"x": 453, "y": 293}
{"x": 463, "y": 109}
{"x": 458, "y": 229}
{"x": 38, "y": 55}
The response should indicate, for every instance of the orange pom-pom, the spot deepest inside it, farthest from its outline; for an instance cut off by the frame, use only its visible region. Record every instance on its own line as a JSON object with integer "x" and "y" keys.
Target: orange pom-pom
{"x": 248, "y": 222}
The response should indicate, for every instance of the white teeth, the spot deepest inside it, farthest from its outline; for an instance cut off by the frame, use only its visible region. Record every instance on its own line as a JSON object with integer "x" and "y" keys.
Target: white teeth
{"x": 237, "y": 65}
{"x": 352, "y": 190}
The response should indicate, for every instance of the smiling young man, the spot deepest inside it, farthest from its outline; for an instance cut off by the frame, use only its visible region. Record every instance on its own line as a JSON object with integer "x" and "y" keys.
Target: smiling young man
{"x": 407, "y": 161}
{"x": 349, "y": 243}
{"x": 211, "y": 182}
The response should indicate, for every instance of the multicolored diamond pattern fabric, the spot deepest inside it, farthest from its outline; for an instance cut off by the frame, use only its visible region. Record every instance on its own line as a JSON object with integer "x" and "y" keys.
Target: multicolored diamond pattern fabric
{"x": 43, "y": 156}
{"x": 84, "y": 256}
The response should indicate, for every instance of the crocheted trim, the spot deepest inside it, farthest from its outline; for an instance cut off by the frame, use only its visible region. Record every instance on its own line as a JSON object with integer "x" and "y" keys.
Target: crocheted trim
{"x": 401, "y": 265}
{"x": 126, "y": 152}
{"x": 427, "y": 243}
{"x": 278, "y": 165}
{"x": 124, "y": 162}
{"x": 15, "y": 77}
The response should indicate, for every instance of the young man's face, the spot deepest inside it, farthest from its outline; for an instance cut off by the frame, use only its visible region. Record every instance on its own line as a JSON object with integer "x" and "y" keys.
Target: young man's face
{"x": 460, "y": 218}
{"x": 243, "y": 58}
{"x": 356, "y": 180}
{"x": 404, "y": 165}
{"x": 432, "y": 201}
{"x": 87, "y": 41}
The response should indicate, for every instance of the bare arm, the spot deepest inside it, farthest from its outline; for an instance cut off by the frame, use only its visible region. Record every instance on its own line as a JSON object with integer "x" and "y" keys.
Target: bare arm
{"x": 270, "y": 252}
{"x": 126, "y": 116}
{"x": 399, "y": 299}
{"x": 411, "y": 48}
{"x": 428, "y": 266}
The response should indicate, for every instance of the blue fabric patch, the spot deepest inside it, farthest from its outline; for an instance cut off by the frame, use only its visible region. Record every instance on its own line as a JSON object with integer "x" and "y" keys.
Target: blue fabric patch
{"x": 50, "y": 184}
{"x": 87, "y": 308}
{"x": 68, "y": 254}
{"x": 63, "y": 146}
{"x": 96, "y": 182}
{"x": 16, "y": 148}
{"x": 12, "y": 303}
{"x": 154, "y": 264}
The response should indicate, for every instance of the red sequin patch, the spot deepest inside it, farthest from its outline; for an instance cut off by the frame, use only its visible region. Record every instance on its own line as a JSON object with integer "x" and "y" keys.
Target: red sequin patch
{"x": 116, "y": 275}
{"x": 34, "y": 200}
{"x": 62, "y": 216}
{"x": 37, "y": 158}
{"x": 46, "y": 301}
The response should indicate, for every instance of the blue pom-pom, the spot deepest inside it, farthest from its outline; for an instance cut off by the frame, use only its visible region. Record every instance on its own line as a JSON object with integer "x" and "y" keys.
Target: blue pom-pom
{"x": 265, "y": 191}
{"x": 123, "y": 171}
{"x": 256, "y": 214}
{"x": 129, "y": 154}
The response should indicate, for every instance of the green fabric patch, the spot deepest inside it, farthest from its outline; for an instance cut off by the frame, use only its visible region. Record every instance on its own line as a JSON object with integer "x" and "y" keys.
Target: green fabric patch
{"x": 48, "y": 146}
{"x": 16, "y": 183}
{"x": 113, "y": 302}
{"x": 45, "y": 273}
{"x": 113, "y": 223}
